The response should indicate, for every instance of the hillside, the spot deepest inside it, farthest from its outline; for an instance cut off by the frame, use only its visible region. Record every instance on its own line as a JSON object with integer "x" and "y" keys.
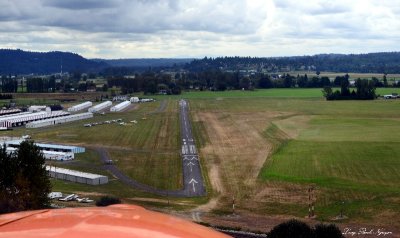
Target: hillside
{"x": 150, "y": 62}
{"x": 25, "y": 62}
{"x": 387, "y": 62}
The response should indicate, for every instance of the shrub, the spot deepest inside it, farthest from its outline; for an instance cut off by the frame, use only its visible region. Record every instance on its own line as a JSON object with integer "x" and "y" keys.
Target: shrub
{"x": 327, "y": 231}
{"x": 291, "y": 229}
{"x": 298, "y": 229}
{"x": 107, "y": 200}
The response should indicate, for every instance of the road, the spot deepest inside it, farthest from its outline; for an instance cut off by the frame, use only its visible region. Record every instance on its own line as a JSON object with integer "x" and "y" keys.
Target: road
{"x": 192, "y": 177}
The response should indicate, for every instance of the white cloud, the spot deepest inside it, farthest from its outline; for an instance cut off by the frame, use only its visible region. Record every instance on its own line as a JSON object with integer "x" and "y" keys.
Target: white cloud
{"x": 169, "y": 28}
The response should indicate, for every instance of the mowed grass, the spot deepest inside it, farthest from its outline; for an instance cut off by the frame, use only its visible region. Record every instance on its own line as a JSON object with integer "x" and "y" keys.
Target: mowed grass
{"x": 364, "y": 166}
{"x": 350, "y": 155}
{"x": 147, "y": 151}
{"x": 141, "y": 134}
{"x": 157, "y": 164}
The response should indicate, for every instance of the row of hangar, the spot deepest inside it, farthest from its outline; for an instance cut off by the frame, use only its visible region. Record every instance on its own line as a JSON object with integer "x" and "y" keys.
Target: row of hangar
{"x": 41, "y": 116}
{"x": 99, "y": 107}
{"x": 60, "y": 153}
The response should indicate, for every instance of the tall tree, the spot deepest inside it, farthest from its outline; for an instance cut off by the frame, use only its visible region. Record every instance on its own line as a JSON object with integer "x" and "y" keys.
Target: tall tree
{"x": 385, "y": 82}
{"x": 24, "y": 181}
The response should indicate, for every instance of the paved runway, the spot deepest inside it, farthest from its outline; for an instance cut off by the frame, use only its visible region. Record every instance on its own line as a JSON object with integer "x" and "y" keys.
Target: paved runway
{"x": 192, "y": 177}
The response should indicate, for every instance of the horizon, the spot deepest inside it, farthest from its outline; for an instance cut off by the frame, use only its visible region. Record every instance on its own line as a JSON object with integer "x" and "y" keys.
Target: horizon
{"x": 206, "y": 56}
{"x": 187, "y": 29}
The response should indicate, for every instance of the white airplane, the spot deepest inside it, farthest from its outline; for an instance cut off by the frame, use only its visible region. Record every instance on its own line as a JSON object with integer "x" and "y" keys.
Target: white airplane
{"x": 68, "y": 198}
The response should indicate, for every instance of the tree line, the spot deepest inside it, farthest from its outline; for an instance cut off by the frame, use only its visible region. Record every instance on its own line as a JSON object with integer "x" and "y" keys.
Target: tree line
{"x": 216, "y": 80}
{"x": 365, "y": 90}
{"x": 386, "y": 62}
{"x": 151, "y": 82}
{"x": 148, "y": 82}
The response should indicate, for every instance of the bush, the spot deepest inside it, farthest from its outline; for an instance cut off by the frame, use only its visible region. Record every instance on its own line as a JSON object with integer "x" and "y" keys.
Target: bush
{"x": 327, "y": 231}
{"x": 291, "y": 229}
{"x": 107, "y": 200}
{"x": 298, "y": 229}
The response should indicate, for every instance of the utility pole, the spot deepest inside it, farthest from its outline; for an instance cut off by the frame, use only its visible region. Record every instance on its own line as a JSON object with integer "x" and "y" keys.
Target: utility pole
{"x": 311, "y": 199}
{"x": 233, "y": 204}
{"x": 168, "y": 197}
{"x": 341, "y": 210}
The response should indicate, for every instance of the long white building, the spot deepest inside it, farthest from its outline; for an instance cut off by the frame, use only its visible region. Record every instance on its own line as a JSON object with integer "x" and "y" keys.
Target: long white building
{"x": 120, "y": 106}
{"x": 80, "y": 106}
{"x": 49, "y": 147}
{"x": 100, "y": 106}
{"x": 23, "y": 118}
{"x": 50, "y": 155}
{"x": 76, "y": 176}
{"x": 9, "y": 111}
{"x": 59, "y": 120}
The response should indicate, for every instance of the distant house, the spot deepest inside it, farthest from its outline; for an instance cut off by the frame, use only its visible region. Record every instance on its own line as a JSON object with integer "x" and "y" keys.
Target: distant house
{"x": 91, "y": 89}
{"x": 162, "y": 91}
{"x": 120, "y": 98}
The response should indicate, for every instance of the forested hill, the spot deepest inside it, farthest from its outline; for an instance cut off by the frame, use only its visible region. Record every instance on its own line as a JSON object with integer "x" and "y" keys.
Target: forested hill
{"x": 360, "y": 63}
{"x": 146, "y": 62}
{"x": 24, "y": 62}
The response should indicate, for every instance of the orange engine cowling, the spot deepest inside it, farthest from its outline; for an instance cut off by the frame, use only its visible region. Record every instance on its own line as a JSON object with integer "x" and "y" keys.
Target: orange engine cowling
{"x": 113, "y": 221}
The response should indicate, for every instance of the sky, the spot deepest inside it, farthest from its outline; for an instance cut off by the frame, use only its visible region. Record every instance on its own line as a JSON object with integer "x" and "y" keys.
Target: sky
{"x": 113, "y": 29}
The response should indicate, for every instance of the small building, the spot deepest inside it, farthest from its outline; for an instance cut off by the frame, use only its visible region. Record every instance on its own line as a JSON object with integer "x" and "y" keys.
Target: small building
{"x": 76, "y": 176}
{"x": 134, "y": 99}
{"x": 146, "y": 100}
{"x": 120, "y": 98}
{"x": 39, "y": 109}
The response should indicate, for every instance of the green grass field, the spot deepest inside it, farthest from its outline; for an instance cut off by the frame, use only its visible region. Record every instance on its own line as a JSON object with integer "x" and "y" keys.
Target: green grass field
{"x": 350, "y": 155}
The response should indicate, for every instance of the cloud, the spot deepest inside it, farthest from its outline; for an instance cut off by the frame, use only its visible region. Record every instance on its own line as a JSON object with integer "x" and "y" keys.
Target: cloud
{"x": 80, "y": 4}
{"x": 168, "y": 28}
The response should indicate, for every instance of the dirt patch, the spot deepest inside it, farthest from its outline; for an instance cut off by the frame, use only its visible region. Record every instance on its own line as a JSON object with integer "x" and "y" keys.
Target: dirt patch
{"x": 282, "y": 193}
{"x": 86, "y": 194}
{"x": 67, "y": 135}
{"x": 157, "y": 200}
{"x": 237, "y": 150}
{"x": 245, "y": 221}
{"x": 209, "y": 206}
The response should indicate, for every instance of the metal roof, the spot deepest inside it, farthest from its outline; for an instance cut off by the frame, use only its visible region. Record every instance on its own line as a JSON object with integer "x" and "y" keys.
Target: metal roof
{"x": 73, "y": 172}
{"x": 44, "y": 145}
{"x": 67, "y": 117}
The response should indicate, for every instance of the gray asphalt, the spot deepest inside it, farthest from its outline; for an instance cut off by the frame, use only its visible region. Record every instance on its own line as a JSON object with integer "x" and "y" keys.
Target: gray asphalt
{"x": 192, "y": 177}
